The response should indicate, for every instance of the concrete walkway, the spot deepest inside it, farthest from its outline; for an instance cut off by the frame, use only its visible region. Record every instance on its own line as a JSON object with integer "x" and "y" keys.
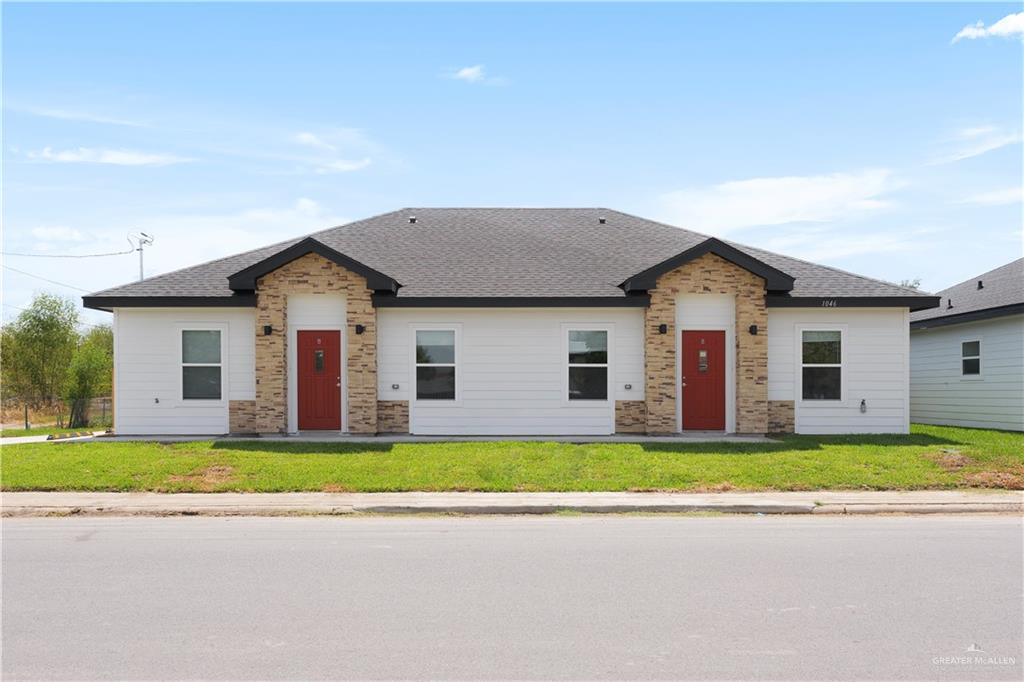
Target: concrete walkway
{"x": 269, "y": 504}
{"x": 42, "y": 438}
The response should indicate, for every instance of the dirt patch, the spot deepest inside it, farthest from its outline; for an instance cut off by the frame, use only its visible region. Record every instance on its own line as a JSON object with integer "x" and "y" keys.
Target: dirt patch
{"x": 206, "y": 478}
{"x": 1007, "y": 480}
{"x": 335, "y": 488}
{"x": 951, "y": 460}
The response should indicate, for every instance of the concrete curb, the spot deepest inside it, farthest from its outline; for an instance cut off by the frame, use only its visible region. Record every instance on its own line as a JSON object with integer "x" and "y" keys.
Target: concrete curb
{"x": 20, "y": 504}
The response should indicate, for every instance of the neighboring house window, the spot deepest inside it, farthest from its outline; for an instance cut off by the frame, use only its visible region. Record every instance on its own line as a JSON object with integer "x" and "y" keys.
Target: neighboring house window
{"x": 970, "y": 354}
{"x": 435, "y": 364}
{"x": 588, "y": 364}
{"x": 822, "y": 365}
{"x": 200, "y": 364}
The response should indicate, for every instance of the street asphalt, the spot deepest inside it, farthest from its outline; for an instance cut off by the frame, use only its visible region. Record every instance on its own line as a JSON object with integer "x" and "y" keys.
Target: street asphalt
{"x": 556, "y": 597}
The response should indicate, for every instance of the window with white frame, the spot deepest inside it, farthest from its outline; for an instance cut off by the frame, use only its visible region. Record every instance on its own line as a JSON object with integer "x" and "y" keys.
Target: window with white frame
{"x": 435, "y": 364}
{"x": 821, "y": 354}
{"x": 588, "y": 364}
{"x": 970, "y": 358}
{"x": 201, "y": 366}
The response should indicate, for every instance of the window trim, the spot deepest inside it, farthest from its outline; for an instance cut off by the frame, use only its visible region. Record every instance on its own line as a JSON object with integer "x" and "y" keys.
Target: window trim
{"x": 799, "y": 382}
{"x": 180, "y": 330}
{"x": 970, "y": 377}
{"x": 564, "y": 364}
{"x": 414, "y": 398}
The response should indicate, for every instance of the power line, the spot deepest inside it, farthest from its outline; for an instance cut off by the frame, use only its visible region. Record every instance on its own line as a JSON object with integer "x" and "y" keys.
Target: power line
{"x": 68, "y": 255}
{"x": 60, "y": 284}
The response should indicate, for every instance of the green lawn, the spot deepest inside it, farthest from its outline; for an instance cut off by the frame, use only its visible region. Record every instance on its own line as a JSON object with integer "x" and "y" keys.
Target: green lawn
{"x": 930, "y": 457}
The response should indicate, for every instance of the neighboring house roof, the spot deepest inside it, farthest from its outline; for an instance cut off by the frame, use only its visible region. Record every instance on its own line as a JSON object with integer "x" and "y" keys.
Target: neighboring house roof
{"x": 994, "y": 294}
{"x": 500, "y": 254}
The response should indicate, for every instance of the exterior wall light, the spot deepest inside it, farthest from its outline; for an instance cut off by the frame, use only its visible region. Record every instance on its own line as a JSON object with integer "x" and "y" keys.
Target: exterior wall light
{"x": 360, "y": 328}
{"x": 267, "y": 330}
{"x": 753, "y": 330}
{"x": 663, "y": 329}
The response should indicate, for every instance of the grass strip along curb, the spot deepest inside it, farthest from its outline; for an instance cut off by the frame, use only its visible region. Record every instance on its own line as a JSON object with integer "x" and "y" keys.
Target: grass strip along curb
{"x": 929, "y": 458}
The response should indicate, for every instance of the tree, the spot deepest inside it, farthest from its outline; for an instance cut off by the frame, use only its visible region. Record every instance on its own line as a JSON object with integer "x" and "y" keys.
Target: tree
{"x": 102, "y": 336}
{"x": 37, "y": 350}
{"x": 911, "y": 283}
{"x": 87, "y": 377}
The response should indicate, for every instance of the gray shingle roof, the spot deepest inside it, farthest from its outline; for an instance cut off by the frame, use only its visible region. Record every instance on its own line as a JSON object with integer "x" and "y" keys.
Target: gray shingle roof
{"x": 1002, "y": 287}
{"x": 506, "y": 252}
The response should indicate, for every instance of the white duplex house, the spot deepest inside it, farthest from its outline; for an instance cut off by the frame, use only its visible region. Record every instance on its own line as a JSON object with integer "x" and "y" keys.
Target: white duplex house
{"x": 967, "y": 355}
{"x": 510, "y": 322}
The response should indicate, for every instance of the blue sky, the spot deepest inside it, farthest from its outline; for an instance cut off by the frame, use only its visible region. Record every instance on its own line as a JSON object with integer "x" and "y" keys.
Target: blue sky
{"x": 869, "y": 137}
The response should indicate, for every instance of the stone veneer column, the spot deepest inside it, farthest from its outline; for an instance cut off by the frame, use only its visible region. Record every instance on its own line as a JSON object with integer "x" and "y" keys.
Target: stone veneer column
{"x": 313, "y": 274}
{"x": 708, "y": 274}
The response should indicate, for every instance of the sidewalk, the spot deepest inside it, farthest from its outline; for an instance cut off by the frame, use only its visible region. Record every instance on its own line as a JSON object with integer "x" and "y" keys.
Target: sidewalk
{"x": 42, "y": 438}
{"x": 270, "y": 504}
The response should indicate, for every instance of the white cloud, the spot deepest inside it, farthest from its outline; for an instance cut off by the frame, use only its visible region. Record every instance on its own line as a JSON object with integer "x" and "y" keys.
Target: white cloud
{"x": 999, "y": 197}
{"x": 71, "y": 115}
{"x": 315, "y": 141}
{"x": 1007, "y": 27}
{"x": 58, "y": 233}
{"x": 975, "y": 141}
{"x": 342, "y": 166}
{"x": 775, "y": 201}
{"x": 475, "y": 74}
{"x": 470, "y": 74}
{"x": 341, "y": 150}
{"x": 818, "y": 245}
{"x": 116, "y": 157}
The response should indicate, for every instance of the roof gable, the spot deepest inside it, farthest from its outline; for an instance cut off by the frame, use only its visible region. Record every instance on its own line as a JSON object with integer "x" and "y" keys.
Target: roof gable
{"x": 775, "y": 280}
{"x": 245, "y": 279}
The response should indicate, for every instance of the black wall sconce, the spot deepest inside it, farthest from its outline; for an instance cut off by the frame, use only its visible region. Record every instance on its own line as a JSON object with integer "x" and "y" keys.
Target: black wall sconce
{"x": 360, "y": 328}
{"x": 267, "y": 330}
{"x": 753, "y": 330}
{"x": 663, "y": 329}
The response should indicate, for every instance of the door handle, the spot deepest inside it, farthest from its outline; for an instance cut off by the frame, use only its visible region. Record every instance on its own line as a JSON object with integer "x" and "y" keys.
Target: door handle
{"x": 684, "y": 385}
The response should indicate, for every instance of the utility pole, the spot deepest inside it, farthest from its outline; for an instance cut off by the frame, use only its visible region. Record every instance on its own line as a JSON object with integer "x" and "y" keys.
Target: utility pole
{"x": 143, "y": 240}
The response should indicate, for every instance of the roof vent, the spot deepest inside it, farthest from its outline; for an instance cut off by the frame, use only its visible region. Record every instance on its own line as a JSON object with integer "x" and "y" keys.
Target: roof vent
{"x": 949, "y": 304}
{"x": 601, "y": 219}
{"x": 981, "y": 285}
{"x": 412, "y": 219}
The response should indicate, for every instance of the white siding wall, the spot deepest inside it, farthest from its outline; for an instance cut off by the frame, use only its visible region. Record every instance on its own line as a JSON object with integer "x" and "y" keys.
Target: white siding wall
{"x": 940, "y": 394}
{"x": 147, "y": 372}
{"x": 511, "y": 369}
{"x": 876, "y": 367}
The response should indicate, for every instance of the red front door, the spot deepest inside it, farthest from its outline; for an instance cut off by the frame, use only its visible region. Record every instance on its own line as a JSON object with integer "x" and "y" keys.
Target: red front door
{"x": 703, "y": 380}
{"x": 319, "y": 373}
